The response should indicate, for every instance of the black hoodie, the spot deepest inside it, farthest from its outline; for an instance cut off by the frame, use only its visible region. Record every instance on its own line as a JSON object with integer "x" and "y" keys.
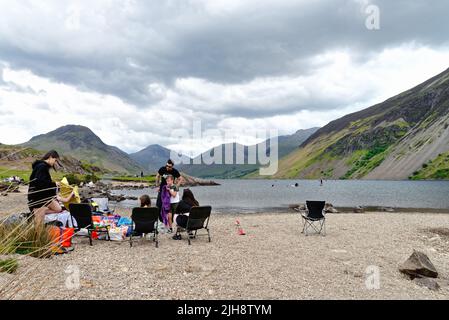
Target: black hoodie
{"x": 40, "y": 179}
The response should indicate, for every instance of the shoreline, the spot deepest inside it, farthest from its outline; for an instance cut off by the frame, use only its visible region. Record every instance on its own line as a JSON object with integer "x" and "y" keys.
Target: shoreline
{"x": 287, "y": 209}
{"x": 272, "y": 261}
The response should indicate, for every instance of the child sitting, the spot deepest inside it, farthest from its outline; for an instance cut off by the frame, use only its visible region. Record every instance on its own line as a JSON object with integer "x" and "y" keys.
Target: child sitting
{"x": 145, "y": 201}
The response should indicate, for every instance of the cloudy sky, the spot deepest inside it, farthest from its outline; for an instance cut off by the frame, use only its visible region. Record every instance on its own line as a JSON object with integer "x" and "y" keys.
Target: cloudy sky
{"x": 134, "y": 71}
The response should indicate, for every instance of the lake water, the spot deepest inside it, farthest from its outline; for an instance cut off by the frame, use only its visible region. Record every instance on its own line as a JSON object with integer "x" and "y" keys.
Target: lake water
{"x": 246, "y": 196}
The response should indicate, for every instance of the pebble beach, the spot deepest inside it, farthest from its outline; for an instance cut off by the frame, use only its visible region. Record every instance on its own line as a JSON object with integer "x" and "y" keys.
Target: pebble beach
{"x": 272, "y": 261}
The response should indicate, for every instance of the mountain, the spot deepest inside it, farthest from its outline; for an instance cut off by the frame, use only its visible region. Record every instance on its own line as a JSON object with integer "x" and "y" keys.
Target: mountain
{"x": 406, "y": 136}
{"x": 81, "y": 143}
{"x": 289, "y": 143}
{"x": 286, "y": 144}
{"x": 152, "y": 157}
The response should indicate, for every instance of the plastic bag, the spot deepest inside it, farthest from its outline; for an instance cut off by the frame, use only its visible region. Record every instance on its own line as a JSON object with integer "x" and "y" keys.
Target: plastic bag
{"x": 118, "y": 234}
{"x": 66, "y": 190}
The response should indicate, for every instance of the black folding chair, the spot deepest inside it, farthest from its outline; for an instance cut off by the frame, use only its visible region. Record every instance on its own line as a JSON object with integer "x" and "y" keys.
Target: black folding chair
{"x": 198, "y": 219}
{"x": 81, "y": 215}
{"x": 145, "y": 221}
{"x": 314, "y": 217}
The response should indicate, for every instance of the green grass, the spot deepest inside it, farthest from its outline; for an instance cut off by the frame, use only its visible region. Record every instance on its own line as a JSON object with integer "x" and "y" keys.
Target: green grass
{"x": 9, "y": 265}
{"x": 6, "y": 173}
{"x": 148, "y": 179}
{"x": 402, "y": 124}
{"x": 436, "y": 169}
{"x": 368, "y": 160}
{"x": 56, "y": 175}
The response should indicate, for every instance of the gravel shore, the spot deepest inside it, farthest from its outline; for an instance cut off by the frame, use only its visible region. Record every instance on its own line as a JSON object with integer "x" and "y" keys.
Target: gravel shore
{"x": 272, "y": 261}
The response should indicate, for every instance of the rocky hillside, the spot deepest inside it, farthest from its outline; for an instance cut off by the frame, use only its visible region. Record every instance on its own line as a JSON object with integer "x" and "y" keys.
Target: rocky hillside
{"x": 404, "y": 137}
{"x": 14, "y": 158}
{"x": 81, "y": 143}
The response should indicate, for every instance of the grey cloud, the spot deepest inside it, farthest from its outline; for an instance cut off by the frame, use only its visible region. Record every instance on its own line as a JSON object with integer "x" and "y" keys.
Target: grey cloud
{"x": 10, "y": 86}
{"x": 160, "y": 42}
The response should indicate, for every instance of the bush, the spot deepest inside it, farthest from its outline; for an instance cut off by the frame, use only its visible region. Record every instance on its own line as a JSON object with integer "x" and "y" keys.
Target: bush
{"x": 73, "y": 179}
{"x": 441, "y": 174}
{"x": 91, "y": 177}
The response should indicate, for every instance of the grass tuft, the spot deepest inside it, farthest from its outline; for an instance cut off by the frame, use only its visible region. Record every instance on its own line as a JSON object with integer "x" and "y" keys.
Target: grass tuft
{"x": 9, "y": 265}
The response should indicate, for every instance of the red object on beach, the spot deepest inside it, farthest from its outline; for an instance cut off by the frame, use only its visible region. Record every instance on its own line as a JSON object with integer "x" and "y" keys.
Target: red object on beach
{"x": 67, "y": 235}
{"x": 240, "y": 231}
{"x": 61, "y": 237}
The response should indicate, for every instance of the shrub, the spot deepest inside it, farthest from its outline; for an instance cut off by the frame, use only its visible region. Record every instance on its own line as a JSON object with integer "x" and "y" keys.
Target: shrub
{"x": 91, "y": 177}
{"x": 25, "y": 238}
{"x": 441, "y": 174}
{"x": 73, "y": 179}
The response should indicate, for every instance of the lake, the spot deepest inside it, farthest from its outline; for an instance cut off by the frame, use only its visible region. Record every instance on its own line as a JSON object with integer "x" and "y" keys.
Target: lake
{"x": 246, "y": 196}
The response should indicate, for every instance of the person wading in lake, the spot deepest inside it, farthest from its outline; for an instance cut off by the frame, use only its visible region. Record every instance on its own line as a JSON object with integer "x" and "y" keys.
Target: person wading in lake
{"x": 42, "y": 197}
{"x": 161, "y": 181}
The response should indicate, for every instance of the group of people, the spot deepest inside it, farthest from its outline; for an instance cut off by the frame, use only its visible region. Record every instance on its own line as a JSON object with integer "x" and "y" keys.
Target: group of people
{"x": 174, "y": 210}
{"x": 44, "y": 200}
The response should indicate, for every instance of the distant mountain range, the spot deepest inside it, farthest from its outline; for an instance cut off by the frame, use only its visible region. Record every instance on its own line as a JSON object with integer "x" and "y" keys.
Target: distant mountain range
{"x": 405, "y": 137}
{"x": 286, "y": 144}
{"x": 83, "y": 144}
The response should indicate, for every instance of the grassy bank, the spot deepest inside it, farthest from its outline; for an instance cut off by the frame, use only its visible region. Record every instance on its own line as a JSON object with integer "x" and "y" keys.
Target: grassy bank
{"x": 6, "y": 173}
{"x": 146, "y": 179}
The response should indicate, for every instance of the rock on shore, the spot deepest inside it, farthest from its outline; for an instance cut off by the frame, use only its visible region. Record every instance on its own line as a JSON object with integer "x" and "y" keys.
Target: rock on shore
{"x": 103, "y": 190}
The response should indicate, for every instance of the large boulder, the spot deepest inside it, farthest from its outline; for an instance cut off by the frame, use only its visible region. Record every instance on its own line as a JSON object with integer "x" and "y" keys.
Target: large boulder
{"x": 329, "y": 208}
{"x": 300, "y": 207}
{"x": 359, "y": 209}
{"x": 418, "y": 265}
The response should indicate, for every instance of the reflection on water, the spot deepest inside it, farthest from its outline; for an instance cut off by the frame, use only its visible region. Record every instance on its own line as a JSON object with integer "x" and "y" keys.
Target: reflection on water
{"x": 263, "y": 195}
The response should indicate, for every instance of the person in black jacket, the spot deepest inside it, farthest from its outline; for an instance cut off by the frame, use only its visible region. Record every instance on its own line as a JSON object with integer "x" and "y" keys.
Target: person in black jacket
{"x": 42, "y": 196}
{"x": 183, "y": 209}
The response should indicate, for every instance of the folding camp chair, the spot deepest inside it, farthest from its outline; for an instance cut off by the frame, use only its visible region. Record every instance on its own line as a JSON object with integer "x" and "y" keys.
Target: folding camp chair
{"x": 314, "y": 217}
{"x": 82, "y": 213}
{"x": 145, "y": 221}
{"x": 103, "y": 205}
{"x": 198, "y": 219}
